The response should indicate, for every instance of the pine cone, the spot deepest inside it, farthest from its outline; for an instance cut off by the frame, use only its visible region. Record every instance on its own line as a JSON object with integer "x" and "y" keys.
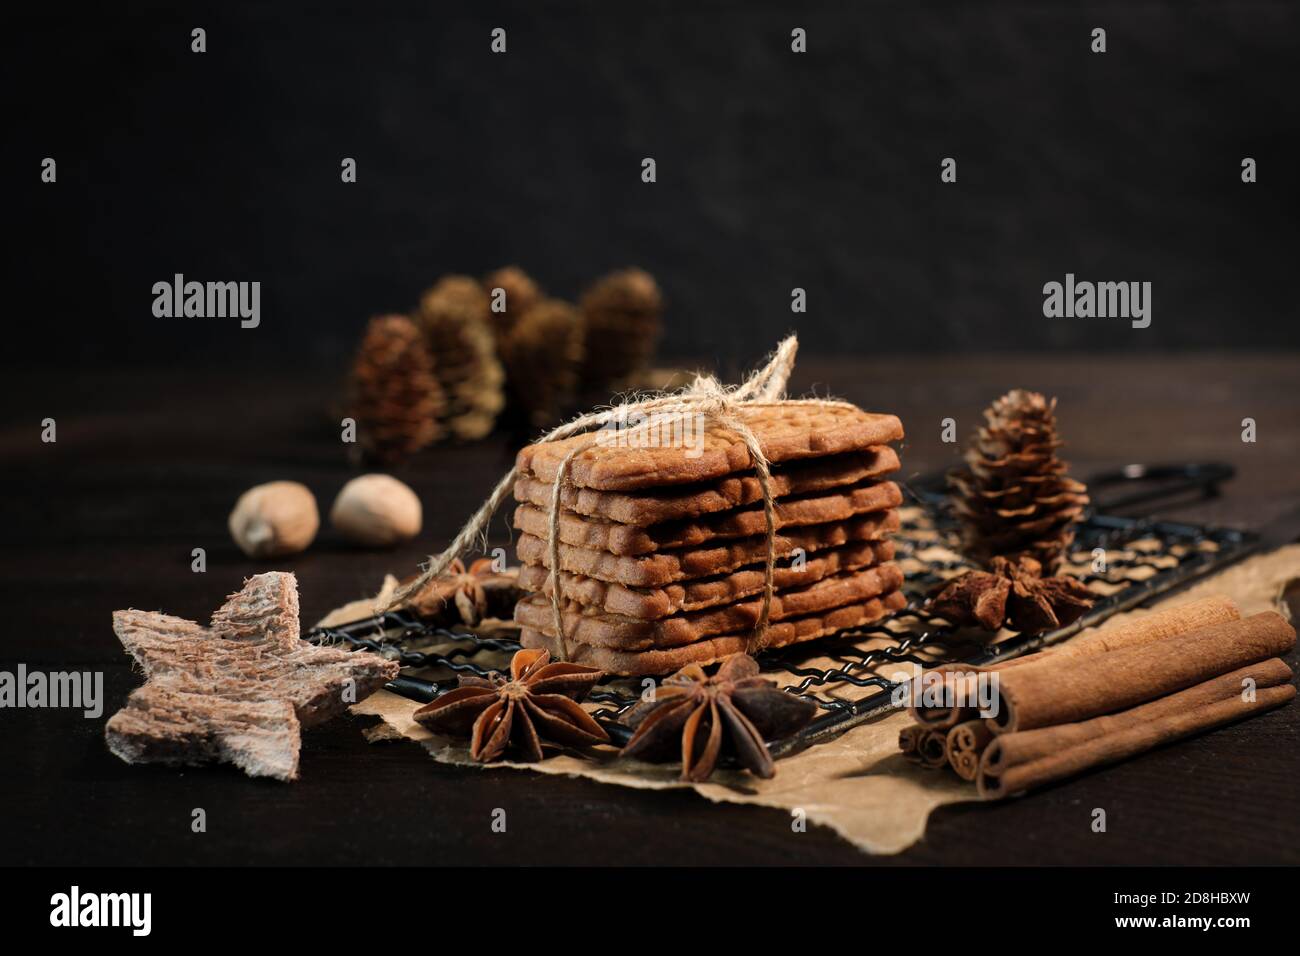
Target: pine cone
{"x": 454, "y": 316}
{"x": 543, "y": 355}
{"x": 394, "y": 395}
{"x": 621, "y": 311}
{"x": 521, "y": 294}
{"x": 1013, "y": 499}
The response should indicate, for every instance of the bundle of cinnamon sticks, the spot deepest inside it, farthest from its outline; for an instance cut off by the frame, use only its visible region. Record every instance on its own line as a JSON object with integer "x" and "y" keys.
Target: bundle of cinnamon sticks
{"x": 1104, "y": 696}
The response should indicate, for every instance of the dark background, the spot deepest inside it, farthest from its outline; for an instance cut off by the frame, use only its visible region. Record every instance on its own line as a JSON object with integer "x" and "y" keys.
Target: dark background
{"x": 775, "y": 170}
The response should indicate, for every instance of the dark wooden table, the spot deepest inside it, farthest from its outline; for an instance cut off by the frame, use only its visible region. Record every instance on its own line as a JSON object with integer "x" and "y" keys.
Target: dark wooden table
{"x": 148, "y": 463}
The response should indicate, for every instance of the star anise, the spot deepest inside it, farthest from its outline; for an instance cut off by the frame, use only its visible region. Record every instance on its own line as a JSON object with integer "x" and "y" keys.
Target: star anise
{"x": 471, "y": 599}
{"x": 692, "y": 712}
{"x": 538, "y": 703}
{"x": 1013, "y": 592}
{"x": 467, "y": 596}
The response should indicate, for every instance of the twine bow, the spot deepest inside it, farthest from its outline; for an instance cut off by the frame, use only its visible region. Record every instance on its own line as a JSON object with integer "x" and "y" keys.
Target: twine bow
{"x": 718, "y": 404}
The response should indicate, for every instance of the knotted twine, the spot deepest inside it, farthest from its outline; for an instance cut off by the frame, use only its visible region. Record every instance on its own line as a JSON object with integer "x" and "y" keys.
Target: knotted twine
{"x": 705, "y": 396}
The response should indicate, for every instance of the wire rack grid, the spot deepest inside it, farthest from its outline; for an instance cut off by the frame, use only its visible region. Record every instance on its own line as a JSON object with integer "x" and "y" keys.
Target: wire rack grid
{"x": 1126, "y": 560}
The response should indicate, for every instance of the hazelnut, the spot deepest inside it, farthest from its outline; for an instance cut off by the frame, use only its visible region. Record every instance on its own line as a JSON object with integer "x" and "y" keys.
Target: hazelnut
{"x": 275, "y": 519}
{"x": 376, "y": 511}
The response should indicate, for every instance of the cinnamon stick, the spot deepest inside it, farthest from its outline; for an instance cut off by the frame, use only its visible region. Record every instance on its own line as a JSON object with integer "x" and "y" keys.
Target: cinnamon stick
{"x": 1015, "y": 762}
{"x": 1149, "y": 628}
{"x": 964, "y": 745}
{"x": 1059, "y": 690}
{"x": 909, "y": 742}
{"x": 949, "y": 709}
{"x": 967, "y": 765}
{"x": 931, "y": 749}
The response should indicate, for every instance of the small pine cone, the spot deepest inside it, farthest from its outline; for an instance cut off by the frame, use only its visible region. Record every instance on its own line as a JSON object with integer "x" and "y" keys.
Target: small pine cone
{"x": 454, "y": 316}
{"x": 394, "y": 395}
{"x": 621, "y": 311}
{"x": 521, "y": 293}
{"x": 1013, "y": 498}
{"x": 543, "y": 356}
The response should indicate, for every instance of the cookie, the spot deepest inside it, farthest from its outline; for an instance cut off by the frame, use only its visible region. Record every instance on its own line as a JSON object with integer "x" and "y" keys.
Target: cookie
{"x": 651, "y": 604}
{"x": 602, "y": 629}
{"x": 668, "y": 660}
{"x": 630, "y": 540}
{"x": 645, "y": 508}
{"x": 784, "y": 433}
{"x": 666, "y": 567}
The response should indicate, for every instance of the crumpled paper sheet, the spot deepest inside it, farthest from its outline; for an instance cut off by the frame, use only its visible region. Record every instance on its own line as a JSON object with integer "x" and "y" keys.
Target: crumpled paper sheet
{"x": 857, "y": 784}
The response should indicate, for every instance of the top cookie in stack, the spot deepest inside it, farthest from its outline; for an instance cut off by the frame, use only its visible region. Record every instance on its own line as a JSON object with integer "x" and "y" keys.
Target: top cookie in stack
{"x": 662, "y": 549}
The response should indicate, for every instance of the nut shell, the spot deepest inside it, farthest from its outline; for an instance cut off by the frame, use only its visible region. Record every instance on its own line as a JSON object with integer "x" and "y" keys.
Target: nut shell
{"x": 376, "y": 511}
{"x": 275, "y": 519}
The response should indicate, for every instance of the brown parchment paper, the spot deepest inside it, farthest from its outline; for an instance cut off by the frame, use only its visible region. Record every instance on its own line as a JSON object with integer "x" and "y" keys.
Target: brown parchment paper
{"x": 858, "y": 784}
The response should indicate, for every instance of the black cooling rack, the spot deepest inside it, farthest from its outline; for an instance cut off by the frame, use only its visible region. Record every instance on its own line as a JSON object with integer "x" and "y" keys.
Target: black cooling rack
{"x": 842, "y": 674}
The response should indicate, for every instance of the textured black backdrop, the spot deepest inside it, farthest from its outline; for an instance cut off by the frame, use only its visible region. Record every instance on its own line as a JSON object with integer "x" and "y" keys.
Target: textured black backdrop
{"x": 774, "y": 169}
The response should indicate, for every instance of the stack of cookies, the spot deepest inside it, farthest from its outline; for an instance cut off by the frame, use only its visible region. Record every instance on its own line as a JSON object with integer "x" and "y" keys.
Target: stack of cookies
{"x": 662, "y": 549}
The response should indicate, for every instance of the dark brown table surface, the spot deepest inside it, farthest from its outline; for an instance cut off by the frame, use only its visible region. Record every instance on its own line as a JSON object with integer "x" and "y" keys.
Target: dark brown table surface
{"x": 148, "y": 463}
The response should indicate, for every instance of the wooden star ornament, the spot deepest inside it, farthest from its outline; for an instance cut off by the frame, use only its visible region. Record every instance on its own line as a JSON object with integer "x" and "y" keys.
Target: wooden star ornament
{"x": 238, "y": 691}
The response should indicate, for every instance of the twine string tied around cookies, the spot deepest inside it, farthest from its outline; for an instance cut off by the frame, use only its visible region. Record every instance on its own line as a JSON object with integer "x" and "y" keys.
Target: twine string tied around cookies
{"x": 706, "y": 397}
